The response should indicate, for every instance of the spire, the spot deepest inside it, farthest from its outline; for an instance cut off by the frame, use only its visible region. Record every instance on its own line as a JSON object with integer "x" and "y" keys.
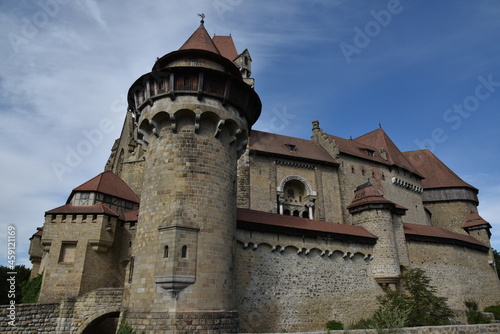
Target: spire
{"x": 200, "y": 39}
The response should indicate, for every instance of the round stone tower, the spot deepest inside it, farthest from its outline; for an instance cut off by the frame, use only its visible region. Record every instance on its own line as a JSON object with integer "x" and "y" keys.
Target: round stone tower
{"x": 193, "y": 113}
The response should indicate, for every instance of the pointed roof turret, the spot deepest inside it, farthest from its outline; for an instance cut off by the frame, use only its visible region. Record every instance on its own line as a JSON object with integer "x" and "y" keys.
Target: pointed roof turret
{"x": 366, "y": 196}
{"x": 200, "y": 40}
{"x": 475, "y": 220}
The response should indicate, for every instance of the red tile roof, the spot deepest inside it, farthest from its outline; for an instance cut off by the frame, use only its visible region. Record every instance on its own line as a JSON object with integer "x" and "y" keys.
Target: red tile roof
{"x": 225, "y": 45}
{"x": 109, "y": 184}
{"x": 368, "y": 194}
{"x": 200, "y": 40}
{"x": 436, "y": 173}
{"x": 131, "y": 216}
{"x": 437, "y": 234}
{"x": 374, "y": 141}
{"x": 258, "y": 220}
{"x": 39, "y": 233}
{"x": 474, "y": 219}
{"x": 288, "y": 147}
{"x": 379, "y": 139}
{"x": 98, "y": 208}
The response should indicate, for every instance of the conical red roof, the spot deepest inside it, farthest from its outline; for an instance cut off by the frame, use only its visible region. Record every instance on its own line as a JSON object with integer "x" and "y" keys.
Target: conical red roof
{"x": 109, "y": 184}
{"x": 200, "y": 40}
{"x": 368, "y": 194}
{"x": 474, "y": 219}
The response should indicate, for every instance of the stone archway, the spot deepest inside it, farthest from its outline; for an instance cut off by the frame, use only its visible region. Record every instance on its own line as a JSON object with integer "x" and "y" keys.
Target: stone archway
{"x": 106, "y": 323}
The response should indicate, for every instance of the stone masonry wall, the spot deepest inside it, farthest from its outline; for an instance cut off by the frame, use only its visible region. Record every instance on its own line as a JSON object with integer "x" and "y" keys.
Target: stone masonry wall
{"x": 450, "y": 215}
{"x": 455, "y": 271}
{"x": 29, "y": 318}
{"x": 295, "y": 284}
{"x": 68, "y": 316}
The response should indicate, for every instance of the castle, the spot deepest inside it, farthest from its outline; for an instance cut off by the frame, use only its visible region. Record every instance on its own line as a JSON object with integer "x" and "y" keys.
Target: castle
{"x": 202, "y": 225}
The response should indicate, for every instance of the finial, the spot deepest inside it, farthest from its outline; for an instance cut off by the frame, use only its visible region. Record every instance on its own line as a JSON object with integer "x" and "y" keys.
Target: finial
{"x": 202, "y": 18}
{"x": 380, "y": 125}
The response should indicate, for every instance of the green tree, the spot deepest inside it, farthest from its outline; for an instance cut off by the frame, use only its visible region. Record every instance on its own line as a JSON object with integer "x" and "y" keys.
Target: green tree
{"x": 22, "y": 275}
{"x": 416, "y": 305}
{"x": 427, "y": 308}
{"x": 31, "y": 289}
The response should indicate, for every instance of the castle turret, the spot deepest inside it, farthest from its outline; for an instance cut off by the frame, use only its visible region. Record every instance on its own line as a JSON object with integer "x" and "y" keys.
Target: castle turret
{"x": 194, "y": 113}
{"x": 382, "y": 218}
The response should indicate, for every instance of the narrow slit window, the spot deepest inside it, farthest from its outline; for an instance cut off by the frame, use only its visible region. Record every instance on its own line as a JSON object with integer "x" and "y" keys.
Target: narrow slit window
{"x": 184, "y": 252}
{"x": 165, "y": 252}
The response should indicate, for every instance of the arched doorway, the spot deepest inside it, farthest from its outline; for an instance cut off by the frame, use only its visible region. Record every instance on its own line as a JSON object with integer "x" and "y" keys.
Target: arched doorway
{"x": 104, "y": 324}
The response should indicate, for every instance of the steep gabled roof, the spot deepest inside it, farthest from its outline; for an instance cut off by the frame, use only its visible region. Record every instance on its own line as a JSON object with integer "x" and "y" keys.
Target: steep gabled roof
{"x": 357, "y": 149}
{"x": 440, "y": 235}
{"x": 379, "y": 139}
{"x": 436, "y": 173}
{"x": 288, "y": 147}
{"x": 225, "y": 45}
{"x": 200, "y": 40}
{"x": 264, "y": 221}
{"x": 109, "y": 184}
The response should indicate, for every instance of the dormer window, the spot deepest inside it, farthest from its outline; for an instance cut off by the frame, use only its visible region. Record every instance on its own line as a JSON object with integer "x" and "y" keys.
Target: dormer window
{"x": 370, "y": 153}
{"x": 292, "y": 147}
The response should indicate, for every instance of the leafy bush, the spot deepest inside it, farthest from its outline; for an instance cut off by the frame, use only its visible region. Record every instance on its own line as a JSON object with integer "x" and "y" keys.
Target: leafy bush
{"x": 125, "y": 328}
{"x": 495, "y": 310}
{"x": 393, "y": 312}
{"x": 474, "y": 316}
{"x": 334, "y": 325}
{"x": 31, "y": 289}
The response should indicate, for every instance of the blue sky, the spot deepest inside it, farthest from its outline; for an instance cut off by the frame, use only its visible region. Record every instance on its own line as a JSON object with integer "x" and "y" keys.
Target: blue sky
{"x": 427, "y": 71}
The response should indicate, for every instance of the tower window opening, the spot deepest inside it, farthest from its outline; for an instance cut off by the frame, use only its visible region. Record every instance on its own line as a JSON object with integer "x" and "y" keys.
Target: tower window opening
{"x": 165, "y": 252}
{"x": 184, "y": 252}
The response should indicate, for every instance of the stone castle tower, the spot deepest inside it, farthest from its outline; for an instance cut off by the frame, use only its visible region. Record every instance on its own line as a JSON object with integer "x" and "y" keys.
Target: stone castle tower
{"x": 199, "y": 224}
{"x": 194, "y": 113}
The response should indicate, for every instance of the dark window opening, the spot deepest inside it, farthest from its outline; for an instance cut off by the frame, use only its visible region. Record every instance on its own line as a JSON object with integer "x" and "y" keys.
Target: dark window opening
{"x": 184, "y": 252}
{"x": 165, "y": 252}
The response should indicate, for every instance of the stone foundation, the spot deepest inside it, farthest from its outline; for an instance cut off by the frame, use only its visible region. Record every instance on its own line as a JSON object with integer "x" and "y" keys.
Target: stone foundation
{"x": 183, "y": 322}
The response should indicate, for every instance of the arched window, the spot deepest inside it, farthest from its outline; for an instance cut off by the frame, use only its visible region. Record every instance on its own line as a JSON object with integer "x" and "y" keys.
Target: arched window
{"x": 296, "y": 197}
{"x": 184, "y": 251}
{"x": 165, "y": 252}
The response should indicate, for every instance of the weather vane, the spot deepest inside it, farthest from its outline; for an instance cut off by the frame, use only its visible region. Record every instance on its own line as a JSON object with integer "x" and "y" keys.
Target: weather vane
{"x": 202, "y": 17}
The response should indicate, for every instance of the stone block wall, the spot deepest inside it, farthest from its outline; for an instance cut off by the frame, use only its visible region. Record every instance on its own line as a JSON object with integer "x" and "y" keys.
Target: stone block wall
{"x": 294, "y": 283}
{"x": 68, "y": 316}
{"x": 30, "y": 318}
{"x": 459, "y": 273}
